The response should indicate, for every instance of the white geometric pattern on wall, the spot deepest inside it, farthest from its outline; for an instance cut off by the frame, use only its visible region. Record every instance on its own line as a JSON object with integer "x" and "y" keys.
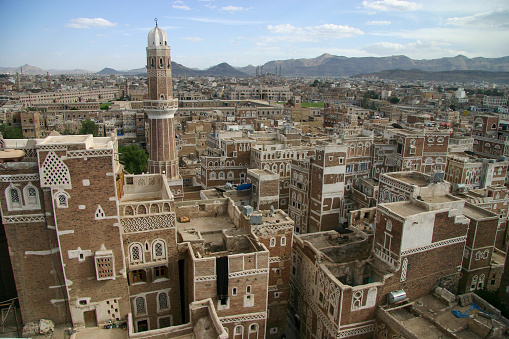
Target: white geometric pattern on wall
{"x": 54, "y": 173}
{"x": 148, "y": 223}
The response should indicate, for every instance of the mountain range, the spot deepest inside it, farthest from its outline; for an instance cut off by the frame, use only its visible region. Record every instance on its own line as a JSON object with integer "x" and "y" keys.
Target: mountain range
{"x": 323, "y": 65}
{"x": 449, "y": 76}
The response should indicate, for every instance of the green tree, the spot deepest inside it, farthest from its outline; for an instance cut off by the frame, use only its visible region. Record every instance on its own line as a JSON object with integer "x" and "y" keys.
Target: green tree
{"x": 394, "y": 100}
{"x": 9, "y": 132}
{"x": 134, "y": 158}
{"x": 89, "y": 127}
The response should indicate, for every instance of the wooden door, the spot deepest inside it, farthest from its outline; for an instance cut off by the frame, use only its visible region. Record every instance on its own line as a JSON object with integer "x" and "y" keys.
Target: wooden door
{"x": 90, "y": 318}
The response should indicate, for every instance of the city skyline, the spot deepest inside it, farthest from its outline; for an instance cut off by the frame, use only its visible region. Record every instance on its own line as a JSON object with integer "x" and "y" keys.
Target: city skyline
{"x": 94, "y": 35}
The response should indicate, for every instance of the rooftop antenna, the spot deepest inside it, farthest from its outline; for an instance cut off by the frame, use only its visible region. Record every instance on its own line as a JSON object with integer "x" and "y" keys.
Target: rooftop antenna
{"x": 155, "y": 21}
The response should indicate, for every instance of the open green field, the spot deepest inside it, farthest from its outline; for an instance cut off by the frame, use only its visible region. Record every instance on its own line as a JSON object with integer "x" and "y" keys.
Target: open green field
{"x": 312, "y": 104}
{"x": 104, "y": 105}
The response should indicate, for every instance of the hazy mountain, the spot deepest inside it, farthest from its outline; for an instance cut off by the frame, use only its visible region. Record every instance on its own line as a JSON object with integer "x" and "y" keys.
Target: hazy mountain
{"x": 25, "y": 69}
{"x": 69, "y": 71}
{"x": 450, "y": 76}
{"x": 332, "y": 65}
{"x": 323, "y": 65}
{"x": 109, "y": 71}
{"x": 224, "y": 70}
{"x": 178, "y": 70}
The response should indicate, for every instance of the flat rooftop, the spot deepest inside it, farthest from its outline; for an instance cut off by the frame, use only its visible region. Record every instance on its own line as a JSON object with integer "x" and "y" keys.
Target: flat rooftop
{"x": 415, "y": 178}
{"x": 414, "y": 319}
{"x": 323, "y": 240}
{"x": 212, "y": 231}
{"x": 207, "y": 224}
{"x": 404, "y": 208}
{"x": 477, "y": 213}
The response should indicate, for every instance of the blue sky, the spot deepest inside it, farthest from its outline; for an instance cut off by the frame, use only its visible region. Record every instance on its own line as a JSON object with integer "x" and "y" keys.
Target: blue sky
{"x": 91, "y": 34}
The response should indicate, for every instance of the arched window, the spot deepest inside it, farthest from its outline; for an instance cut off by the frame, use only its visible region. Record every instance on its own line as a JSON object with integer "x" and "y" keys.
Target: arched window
{"x": 221, "y": 175}
{"x": 283, "y": 241}
{"x": 62, "y": 199}
{"x": 272, "y": 242}
{"x": 253, "y": 328}
{"x": 158, "y": 250}
{"x": 161, "y": 63}
{"x": 31, "y": 196}
{"x": 212, "y": 175}
{"x": 473, "y": 284}
{"x": 13, "y": 197}
{"x": 140, "y": 305}
{"x": 388, "y": 225}
{"x": 141, "y": 209}
{"x": 162, "y": 97}
{"x": 230, "y": 175}
{"x": 162, "y": 302}
{"x": 480, "y": 283}
{"x": 136, "y": 253}
{"x": 238, "y": 331}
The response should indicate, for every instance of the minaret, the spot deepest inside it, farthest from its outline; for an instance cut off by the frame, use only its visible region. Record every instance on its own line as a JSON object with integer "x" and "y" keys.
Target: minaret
{"x": 160, "y": 108}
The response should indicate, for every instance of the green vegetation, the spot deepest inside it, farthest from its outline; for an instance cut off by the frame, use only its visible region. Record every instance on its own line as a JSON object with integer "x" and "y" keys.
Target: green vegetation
{"x": 134, "y": 158}
{"x": 394, "y": 100}
{"x": 89, "y": 127}
{"x": 311, "y": 104}
{"x": 105, "y": 105}
{"x": 9, "y": 132}
{"x": 31, "y": 108}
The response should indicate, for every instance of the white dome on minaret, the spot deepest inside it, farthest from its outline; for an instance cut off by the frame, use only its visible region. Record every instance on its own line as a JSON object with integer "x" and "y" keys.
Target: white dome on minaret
{"x": 157, "y": 38}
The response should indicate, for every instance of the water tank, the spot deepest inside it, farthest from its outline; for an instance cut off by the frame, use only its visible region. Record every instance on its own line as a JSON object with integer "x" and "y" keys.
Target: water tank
{"x": 247, "y": 210}
{"x": 396, "y": 296}
{"x": 256, "y": 219}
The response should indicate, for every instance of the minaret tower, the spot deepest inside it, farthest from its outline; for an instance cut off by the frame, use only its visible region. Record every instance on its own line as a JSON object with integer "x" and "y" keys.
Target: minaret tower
{"x": 160, "y": 108}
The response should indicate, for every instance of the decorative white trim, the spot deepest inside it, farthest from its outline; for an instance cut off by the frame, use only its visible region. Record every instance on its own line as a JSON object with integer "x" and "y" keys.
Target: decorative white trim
{"x": 243, "y": 317}
{"x": 434, "y": 245}
{"x": 26, "y": 218}
{"x": 147, "y": 222}
{"x": 274, "y": 259}
{"x": 19, "y": 177}
{"x": 89, "y": 153}
{"x": 356, "y": 331}
{"x": 205, "y": 278}
{"x": 248, "y": 272}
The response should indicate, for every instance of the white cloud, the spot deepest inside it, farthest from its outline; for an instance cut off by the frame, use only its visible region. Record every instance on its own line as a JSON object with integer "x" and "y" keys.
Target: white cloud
{"x": 88, "y": 23}
{"x": 418, "y": 49}
{"x": 184, "y": 7}
{"x": 498, "y": 18}
{"x": 220, "y": 21}
{"x": 99, "y": 34}
{"x": 210, "y": 5}
{"x": 292, "y": 33}
{"x": 233, "y": 9}
{"x": 378, "y": 23}
{"x": 192, "y": 38}
{"x": 391, "y": 5}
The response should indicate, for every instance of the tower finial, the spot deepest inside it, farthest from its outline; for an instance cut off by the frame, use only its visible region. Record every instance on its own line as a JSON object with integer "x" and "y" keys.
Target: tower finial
{"x": 155, "y": 21}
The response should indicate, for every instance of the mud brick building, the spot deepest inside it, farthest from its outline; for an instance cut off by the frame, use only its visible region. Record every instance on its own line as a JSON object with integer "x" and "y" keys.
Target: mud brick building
{"x": 339, "y": 281}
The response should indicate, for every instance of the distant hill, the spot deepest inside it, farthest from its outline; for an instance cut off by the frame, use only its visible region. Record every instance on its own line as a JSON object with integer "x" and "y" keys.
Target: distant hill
{"x": 224, "y": 70}
{"x": 323, "y": 65}
{"x": 178, "y": 70}
{"x": 25, "y": 69}
{"x": 109, "y": 71}
{"x": 332, "y": 65}
{"x": 453, "y": 76}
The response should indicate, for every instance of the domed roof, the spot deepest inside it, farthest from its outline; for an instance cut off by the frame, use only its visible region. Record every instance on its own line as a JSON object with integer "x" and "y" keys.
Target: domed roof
{"x": 157, "y": 38}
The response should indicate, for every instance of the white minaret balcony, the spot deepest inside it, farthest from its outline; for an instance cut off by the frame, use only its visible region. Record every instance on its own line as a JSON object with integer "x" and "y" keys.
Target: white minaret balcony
{"x": 160, "y": 109}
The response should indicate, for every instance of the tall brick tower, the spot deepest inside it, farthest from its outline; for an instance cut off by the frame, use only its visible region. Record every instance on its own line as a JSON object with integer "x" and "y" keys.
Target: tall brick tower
{"x": 160, "y": 108}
